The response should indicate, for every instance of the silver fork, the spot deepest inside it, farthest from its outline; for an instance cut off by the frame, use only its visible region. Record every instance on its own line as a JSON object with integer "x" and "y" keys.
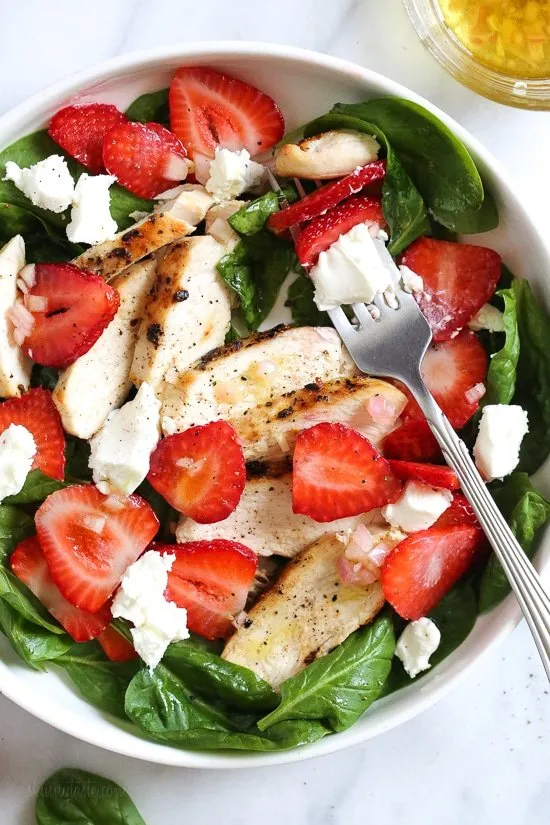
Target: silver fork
{"x": 393, "y": 346}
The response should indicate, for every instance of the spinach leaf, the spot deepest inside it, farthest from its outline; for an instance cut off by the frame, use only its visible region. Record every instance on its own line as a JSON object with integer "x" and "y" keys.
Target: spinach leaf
{"x": 42, "y": 241}
{"x": 302, "y": 306}
{"x": 37, "y": 487}
{"x": 35, "y": 645}
{"x": 77, "y": 454}
{"x": 436, "y": 160}
{"x": 251, "y": 218}
{"x": 168, "y": 516}
{"x": 20, "y": 599}
{"x": 101, "y": 682}
{"x": 72, "y": 796}
{"x": 526, "y": 511}
{"x": 501, "y": 376}
{"x": 402, "y": 203}
{"x": 282, "y": 736}
{"x": 339, "y": 687}
{"x": 152, "y": 106}
{"x": 15, "y": 525}
{"x": 45, "y": 377}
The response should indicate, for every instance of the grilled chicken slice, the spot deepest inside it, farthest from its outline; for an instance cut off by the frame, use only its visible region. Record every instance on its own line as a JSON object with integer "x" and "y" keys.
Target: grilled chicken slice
{"x": 99, "y": 381}
{"x": 187, "y": 314}
{"x": 268, "y": 432}
{"x": 15, "y": 367}
{"x": 170, "y": 221}
{"x": 304, "y": 615}
{"x": 244, "y": 374}
{"x": 329, "y": 155}
{"x": 264, "y": 521}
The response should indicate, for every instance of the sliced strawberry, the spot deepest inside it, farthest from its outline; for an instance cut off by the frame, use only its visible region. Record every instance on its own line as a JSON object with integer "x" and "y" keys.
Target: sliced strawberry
{"x": 327, "y": 197}
{"x": 88, "y": 544}
{"x": 145, "y": 158}
{"x": 201, "y": 472}
{"x": 115, "y": 646}
{"x": 28, "y": 563}
{"x": 451, "y": 370}
{"x": 338, "y": 473}
{"x": 36, "y": 411}
{"x": 79, "y": 307}
{"x": 419, "y": 571}
{"x": 458, "y": 279}
{"x": 322, "y": 232}
{"x": 209, "y": 109}
{"x": 211, "y": 579}
{"x": 412, "y": 441}
{"x": 433, "y": 474}
{"x": 80, "y": 131}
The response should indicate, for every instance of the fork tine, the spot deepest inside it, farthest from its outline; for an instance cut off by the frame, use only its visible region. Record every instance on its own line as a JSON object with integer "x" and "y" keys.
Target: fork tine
{"x": 362, "y": 314}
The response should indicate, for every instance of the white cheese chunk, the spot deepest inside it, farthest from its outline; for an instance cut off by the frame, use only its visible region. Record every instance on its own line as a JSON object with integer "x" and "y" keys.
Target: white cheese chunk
{"x": 501, "y": 431}
{"x": 232, "y": 173}
{"x": 121, "y": 450}
{"x": 489, "y": 318}
{"x": 353, "y": 269}
{"x": 91, "y": 220}
{"x": 48, "y": 183}
{"x": 140, "y": 600}
{"x": 410, "y": 280}
{"x": 418, "y": 507}
{"x": 15, "y": 367}
{"x": 417, "y": 643}
{"x": 17, "y": 452}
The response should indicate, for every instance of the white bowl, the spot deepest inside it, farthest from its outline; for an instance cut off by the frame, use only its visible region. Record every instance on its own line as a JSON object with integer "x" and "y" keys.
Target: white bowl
{"x": 304, "y": 84}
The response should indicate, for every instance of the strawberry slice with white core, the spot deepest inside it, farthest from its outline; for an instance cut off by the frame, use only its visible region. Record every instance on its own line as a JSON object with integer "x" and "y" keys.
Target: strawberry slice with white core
{"x": 210, "y": 109}
{"x": 318, "y": 235}
{"x": 338, "y": 473}
{"x": 80, "y": 131}
{"x": 146, "y": 158}
{"x": 78, "y": 306}
{"x": 325, "y": 198}
{"x": 458, "y": 280}
{"x": 115, "y": 646}
{"x": 28, "y": 563}
{"x": 211, "y": 579}
{"x": 36, "y": 412}
{"x": 88, "y": 545}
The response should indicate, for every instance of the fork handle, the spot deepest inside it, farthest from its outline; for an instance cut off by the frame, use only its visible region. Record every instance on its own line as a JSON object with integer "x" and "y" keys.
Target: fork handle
{"x": 523, "y": 578}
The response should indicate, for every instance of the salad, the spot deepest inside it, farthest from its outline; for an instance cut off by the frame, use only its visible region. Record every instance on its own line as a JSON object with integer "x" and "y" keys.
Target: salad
{"x": 216, "y": 527}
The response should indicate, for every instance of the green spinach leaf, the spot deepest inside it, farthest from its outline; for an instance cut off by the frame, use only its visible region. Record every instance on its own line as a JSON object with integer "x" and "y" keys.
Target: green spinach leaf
{"x": 45, "y": 377}
{"x": 282, "y": 736}
{"x": 251, "y": 218}
{"x": 15, "y": 525}
{"x": 77, "y": 454}
{"x": 302, "y": 306}
{"x": 74, "y": 797}
{"x": 152, "y": 106}
{"x": 168, "y": 516}
{"x": 35, "y": 645}
{"x": 339, "y": 687}
{"x": 20, "y": 599}
{"x": 501, "y": 377}
{"x": 37, "y": 487}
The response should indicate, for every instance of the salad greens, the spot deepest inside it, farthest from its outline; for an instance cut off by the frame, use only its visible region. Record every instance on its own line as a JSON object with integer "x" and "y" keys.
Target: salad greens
{"x": 251, "y": 218}
{"x": 152, "y": 106}
{"x": 302, "y": 306}
{"x": 501, "y": 376}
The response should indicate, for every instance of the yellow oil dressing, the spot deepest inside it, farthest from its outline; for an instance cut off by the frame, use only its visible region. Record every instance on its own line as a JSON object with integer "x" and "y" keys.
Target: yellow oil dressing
{"x": 509, "y": 36}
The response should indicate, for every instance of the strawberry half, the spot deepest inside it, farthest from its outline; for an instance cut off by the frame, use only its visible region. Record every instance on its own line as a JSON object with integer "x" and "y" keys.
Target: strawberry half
{"x": 145, "y": 158}
{"x": 81, "y": 130}
{"x": 211, "y": 579}
{"x": 458, "y": 279}
{"x": 79, "y": 306}
{"x": 115, "y": 646}
{"x": 318, "y": 235}
{"x": 338, "y": 473}
{"x": 423, "y": 568}
{"x": 36, "y": 411}
{"x": 88, "y": 544}
{"x": 325, "y": 198}
{"x": 210, "y": 109}
{"x": 28, "y": 563}
{"x": 432, "y": 474}
{"x": 412, "y": 441}
{"x": 201, "y": 472}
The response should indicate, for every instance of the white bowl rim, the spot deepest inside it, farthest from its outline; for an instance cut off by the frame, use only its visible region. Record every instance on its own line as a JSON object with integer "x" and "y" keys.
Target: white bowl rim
{"x": 411, "y": 705}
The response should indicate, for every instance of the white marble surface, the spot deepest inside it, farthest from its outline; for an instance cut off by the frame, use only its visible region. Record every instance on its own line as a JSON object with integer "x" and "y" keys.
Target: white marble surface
{"x": 482, "y": 754}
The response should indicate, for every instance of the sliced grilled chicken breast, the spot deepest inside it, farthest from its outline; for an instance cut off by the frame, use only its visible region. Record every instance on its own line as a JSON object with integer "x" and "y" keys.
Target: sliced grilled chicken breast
{"x": 329, "y": 155}
{"x": 15, "y": 367}
{"x": 187, "y": 314}
{"x": 268, "y": 432}
{"x": 244, "y": 374}
{"x": 304, "y": 615}
{"x": 99, "y": 381}
{"x": 171, "y": 220}
{"x": 264, "y": 521}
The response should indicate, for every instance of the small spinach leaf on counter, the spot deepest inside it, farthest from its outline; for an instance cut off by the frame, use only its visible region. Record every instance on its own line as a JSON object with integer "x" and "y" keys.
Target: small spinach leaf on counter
{"x": 251, "y": 218}
{"x": 35, "y": 645}
{"x": 72, "y": 796}
{"x": 338, "y": 688}
{"x": 501, "y": 376}
{"x": 152, "y": 106}
{"x": 302, "y": 306}
{"x": 526, "y": 511}
{"x": 37, "y": 487}
{"x": 15, "y": 525}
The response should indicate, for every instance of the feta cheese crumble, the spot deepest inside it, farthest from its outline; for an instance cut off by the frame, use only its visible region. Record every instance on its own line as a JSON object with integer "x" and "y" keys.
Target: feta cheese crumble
{"x": 15, "y": 367}
{"x": 417, "y": 643}
{"x": 501, "y": 431}
{"x": 47, "y": 184}
{"x": 121, "y": 450}
{"x": 17, "y": 452}
{"x": 410, "y": 280}
{"x": 418, "y": 507}
{"x": 352, "y": 270}
{"x": 140, "y": 600}
{"x": 91, "y": 220}
{"x": 489, "y": 318}
{"x": 232, "y": 173}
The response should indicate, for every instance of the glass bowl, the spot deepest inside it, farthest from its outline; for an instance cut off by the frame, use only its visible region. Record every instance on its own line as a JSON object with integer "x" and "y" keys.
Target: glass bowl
{"x": 525, "y": 93}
